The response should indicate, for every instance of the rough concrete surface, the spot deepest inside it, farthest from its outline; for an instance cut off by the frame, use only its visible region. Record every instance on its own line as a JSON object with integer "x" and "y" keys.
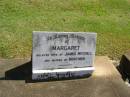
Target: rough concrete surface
{"x": 104, "y": 82}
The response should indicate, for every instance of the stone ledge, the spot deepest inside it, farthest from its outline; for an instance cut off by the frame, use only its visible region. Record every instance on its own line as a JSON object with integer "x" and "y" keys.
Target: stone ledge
{"x": 62, "y": 73}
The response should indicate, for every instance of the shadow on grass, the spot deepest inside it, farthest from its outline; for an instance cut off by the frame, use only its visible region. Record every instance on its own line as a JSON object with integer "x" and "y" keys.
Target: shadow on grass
{"x": 24, "y": 72}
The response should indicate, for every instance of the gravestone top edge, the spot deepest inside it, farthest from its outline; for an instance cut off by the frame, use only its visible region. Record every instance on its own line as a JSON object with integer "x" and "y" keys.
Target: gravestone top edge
{"x": 62, "y": 32}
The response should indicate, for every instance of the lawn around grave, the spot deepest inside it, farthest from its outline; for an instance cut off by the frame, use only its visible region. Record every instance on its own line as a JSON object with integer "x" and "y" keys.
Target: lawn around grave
{"x": 109, "y": 18}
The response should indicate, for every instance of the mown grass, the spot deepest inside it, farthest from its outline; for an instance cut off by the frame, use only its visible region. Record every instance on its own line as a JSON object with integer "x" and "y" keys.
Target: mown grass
{"x": 109, "y": 18}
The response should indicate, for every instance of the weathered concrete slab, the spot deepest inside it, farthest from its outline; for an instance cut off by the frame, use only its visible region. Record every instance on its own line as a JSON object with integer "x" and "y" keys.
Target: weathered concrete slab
{"x": 105, "y": 82}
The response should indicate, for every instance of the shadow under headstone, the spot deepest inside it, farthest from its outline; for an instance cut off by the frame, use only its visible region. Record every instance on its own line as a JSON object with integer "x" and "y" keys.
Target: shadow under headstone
{"x": 22, "y": 72}
{"x": 2, "y": 78}
{"x": 124, "y": 67}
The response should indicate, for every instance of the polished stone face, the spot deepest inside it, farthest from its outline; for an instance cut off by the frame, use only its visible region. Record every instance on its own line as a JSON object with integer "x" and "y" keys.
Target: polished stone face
{"x": 63, "y": 50}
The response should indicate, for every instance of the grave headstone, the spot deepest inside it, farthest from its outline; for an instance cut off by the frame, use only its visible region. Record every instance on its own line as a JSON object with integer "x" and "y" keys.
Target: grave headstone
{"x": 58, "y": 55}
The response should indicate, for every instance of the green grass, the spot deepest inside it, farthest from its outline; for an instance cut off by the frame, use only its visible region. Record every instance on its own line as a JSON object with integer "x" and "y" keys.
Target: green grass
{"x": 109, "y": 18}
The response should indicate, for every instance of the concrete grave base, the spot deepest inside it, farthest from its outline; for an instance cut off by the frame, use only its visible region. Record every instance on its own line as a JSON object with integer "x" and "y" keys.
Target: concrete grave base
{"x": 61, "y": 73}
{"x": 105, "y": 81}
